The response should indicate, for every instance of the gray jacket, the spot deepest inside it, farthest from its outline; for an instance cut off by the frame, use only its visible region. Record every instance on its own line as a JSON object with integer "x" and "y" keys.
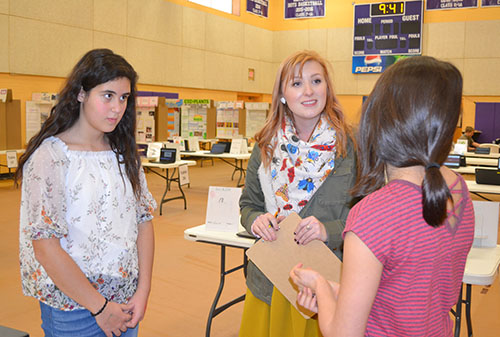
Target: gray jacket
{"x": 330, "y": 204}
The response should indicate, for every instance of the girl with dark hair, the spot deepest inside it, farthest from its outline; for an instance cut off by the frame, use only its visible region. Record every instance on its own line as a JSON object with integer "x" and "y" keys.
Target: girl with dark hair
{"x": 304, "y": 163}
{"x": 407, "y": 241}
{"x": 86, "y": 238}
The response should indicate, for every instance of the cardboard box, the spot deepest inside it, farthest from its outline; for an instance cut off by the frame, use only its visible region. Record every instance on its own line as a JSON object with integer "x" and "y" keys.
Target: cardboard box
{"x": 161, "y": 121}
{"x": 3, "y": 126}
{"x": 13, "y": 118}
{"x": 242, "y": 122}
{"x": 10, "y": 125}
{"x": 211, "y": 122}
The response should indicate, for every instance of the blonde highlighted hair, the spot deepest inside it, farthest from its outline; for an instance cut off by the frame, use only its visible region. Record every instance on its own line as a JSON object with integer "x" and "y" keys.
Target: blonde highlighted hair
{"x": 333, "y": 110}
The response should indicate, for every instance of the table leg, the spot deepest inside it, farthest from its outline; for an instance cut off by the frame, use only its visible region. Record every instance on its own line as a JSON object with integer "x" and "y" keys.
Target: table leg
{"x": 235, "y": 169}
{"x": 245, "y": 263}
{"x": 171, "y": 178}
{"x": 458, "y": 313}
{"x": 482, "y": 197}
{"x": 214, "y": 310}
{"x": 242, "y": 172}
{"x": 167, "y": 185}
{"x": 468, "y": 297}
{"x": 238, "y": 166}
{"x": 203, "y": 159}
{"x": 168, "y": 180}
{"x": 9, "y": 175}
{"x": 180, "y": 188}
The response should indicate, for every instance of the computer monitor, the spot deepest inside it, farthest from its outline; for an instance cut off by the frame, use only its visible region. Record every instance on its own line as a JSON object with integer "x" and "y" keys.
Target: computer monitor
{"x": 218, "y": 148}
{"x": 176, "y": 146}
{"x": 453, "y": 161}
{"x": 142, "y": 149}
{"x": 227, "y": 146}
{"x": 167, "y": 155}
{"x": 487, "y": 176}
{"x": 482, "y": 150}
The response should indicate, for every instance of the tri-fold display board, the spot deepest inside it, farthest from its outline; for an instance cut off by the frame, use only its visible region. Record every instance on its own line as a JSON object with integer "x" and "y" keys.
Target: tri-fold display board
{"x": 198, "y": 118}
{"x": 228, "y": 118}
{"x": 256, "y": 114}
{"x": 161, "y": 119}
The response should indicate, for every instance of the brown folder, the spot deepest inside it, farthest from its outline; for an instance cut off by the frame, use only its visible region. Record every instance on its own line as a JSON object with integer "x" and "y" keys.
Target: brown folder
{"x": 275, "y": 259}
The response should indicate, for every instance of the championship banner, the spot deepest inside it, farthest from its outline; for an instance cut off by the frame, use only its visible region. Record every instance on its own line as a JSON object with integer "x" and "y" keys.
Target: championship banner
{"x": 490, "y": 3}
{"x": 450, "y": 4}
{"x": 301, "y": 9}
{"x": 258, "y": 7}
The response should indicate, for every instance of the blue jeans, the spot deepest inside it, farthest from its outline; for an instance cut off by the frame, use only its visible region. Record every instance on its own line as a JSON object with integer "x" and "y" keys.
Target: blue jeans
{"x": 76, "y": 323}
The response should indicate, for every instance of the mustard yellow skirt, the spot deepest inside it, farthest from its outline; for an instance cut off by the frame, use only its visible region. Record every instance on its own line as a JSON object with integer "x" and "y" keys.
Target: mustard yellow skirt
{"x": 280, "y": 319}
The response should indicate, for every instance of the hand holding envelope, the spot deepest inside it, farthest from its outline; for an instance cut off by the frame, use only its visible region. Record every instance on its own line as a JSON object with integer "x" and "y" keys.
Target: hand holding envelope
{"x": 276, "y": 258}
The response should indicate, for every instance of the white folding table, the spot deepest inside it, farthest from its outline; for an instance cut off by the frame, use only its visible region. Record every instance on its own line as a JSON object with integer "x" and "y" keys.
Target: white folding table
{"x": 225, "y": 157}
{"x": 478, "y": 189}
{"x": 481, "y": 268}
{"x": 153, "y": 166}
{"x": 223, "y": 239}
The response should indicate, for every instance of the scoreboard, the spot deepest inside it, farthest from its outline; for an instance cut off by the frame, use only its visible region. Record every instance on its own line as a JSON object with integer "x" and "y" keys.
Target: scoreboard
{"x": 385, "y": 31}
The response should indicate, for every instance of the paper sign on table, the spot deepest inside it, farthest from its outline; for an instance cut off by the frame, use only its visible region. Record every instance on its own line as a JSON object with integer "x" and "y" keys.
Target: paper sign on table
{"x": 460, "y": 147}
{"x": 276, "y": 258}
{"x": 194, "y": 144}
{"x": 11, "y": 159}
{"x": 238, "y": 146}
{"x": 183, "y": 175}
{"x": 153, "y": 151}
{"x": 180, "y": 141}
{"x": 223, "y": 211}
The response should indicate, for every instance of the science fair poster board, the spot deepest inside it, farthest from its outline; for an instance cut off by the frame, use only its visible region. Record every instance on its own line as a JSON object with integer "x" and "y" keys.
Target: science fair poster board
{"x": 194, "y": 115}
{"x": 173, "y": 117}
{"x": 256, "y": 114}
{"x": 145, "y": 119}
{"x": 228, "y": 118}
{"x": 304, "y": 9}
{"x": 384, "y": 32}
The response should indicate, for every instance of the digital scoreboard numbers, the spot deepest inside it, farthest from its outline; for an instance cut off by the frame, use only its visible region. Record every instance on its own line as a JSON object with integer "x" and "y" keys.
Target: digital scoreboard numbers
{"x": 387, "y": 8}
{"x": 384, "y": 32}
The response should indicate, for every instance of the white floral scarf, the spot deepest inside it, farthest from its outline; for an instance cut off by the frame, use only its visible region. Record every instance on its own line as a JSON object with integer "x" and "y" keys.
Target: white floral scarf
{"x": 298, "y": 168}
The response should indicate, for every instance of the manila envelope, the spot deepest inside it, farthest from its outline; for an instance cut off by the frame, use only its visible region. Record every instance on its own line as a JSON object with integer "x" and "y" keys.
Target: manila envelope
{"x": 275, "y": 259}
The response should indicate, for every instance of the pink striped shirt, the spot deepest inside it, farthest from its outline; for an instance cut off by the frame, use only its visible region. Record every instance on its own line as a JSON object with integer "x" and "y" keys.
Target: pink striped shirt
{"x": 423, "y": 265}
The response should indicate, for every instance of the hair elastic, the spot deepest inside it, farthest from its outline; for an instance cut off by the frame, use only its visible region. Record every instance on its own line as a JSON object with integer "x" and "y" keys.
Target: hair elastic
{"x": 102, "y": 309}
{"x": 431, "y": 165}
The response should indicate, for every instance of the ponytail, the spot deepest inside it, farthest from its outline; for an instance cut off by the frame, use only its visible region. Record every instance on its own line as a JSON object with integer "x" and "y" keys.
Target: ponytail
{"x": 435, "y": 194}
{"x": 408, "y": 120}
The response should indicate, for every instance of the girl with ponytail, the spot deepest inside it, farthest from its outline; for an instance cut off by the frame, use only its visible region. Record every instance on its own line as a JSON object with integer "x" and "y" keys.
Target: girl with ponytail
{"x": 407, "y": 241}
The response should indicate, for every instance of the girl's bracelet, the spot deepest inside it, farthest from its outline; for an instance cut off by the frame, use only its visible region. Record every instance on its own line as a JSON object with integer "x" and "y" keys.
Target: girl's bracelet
{"x": 102, "y": 309}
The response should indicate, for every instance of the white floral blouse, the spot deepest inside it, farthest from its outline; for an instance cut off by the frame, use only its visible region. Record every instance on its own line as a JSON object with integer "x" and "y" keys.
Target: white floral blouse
{"x": 81, "y": 198}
